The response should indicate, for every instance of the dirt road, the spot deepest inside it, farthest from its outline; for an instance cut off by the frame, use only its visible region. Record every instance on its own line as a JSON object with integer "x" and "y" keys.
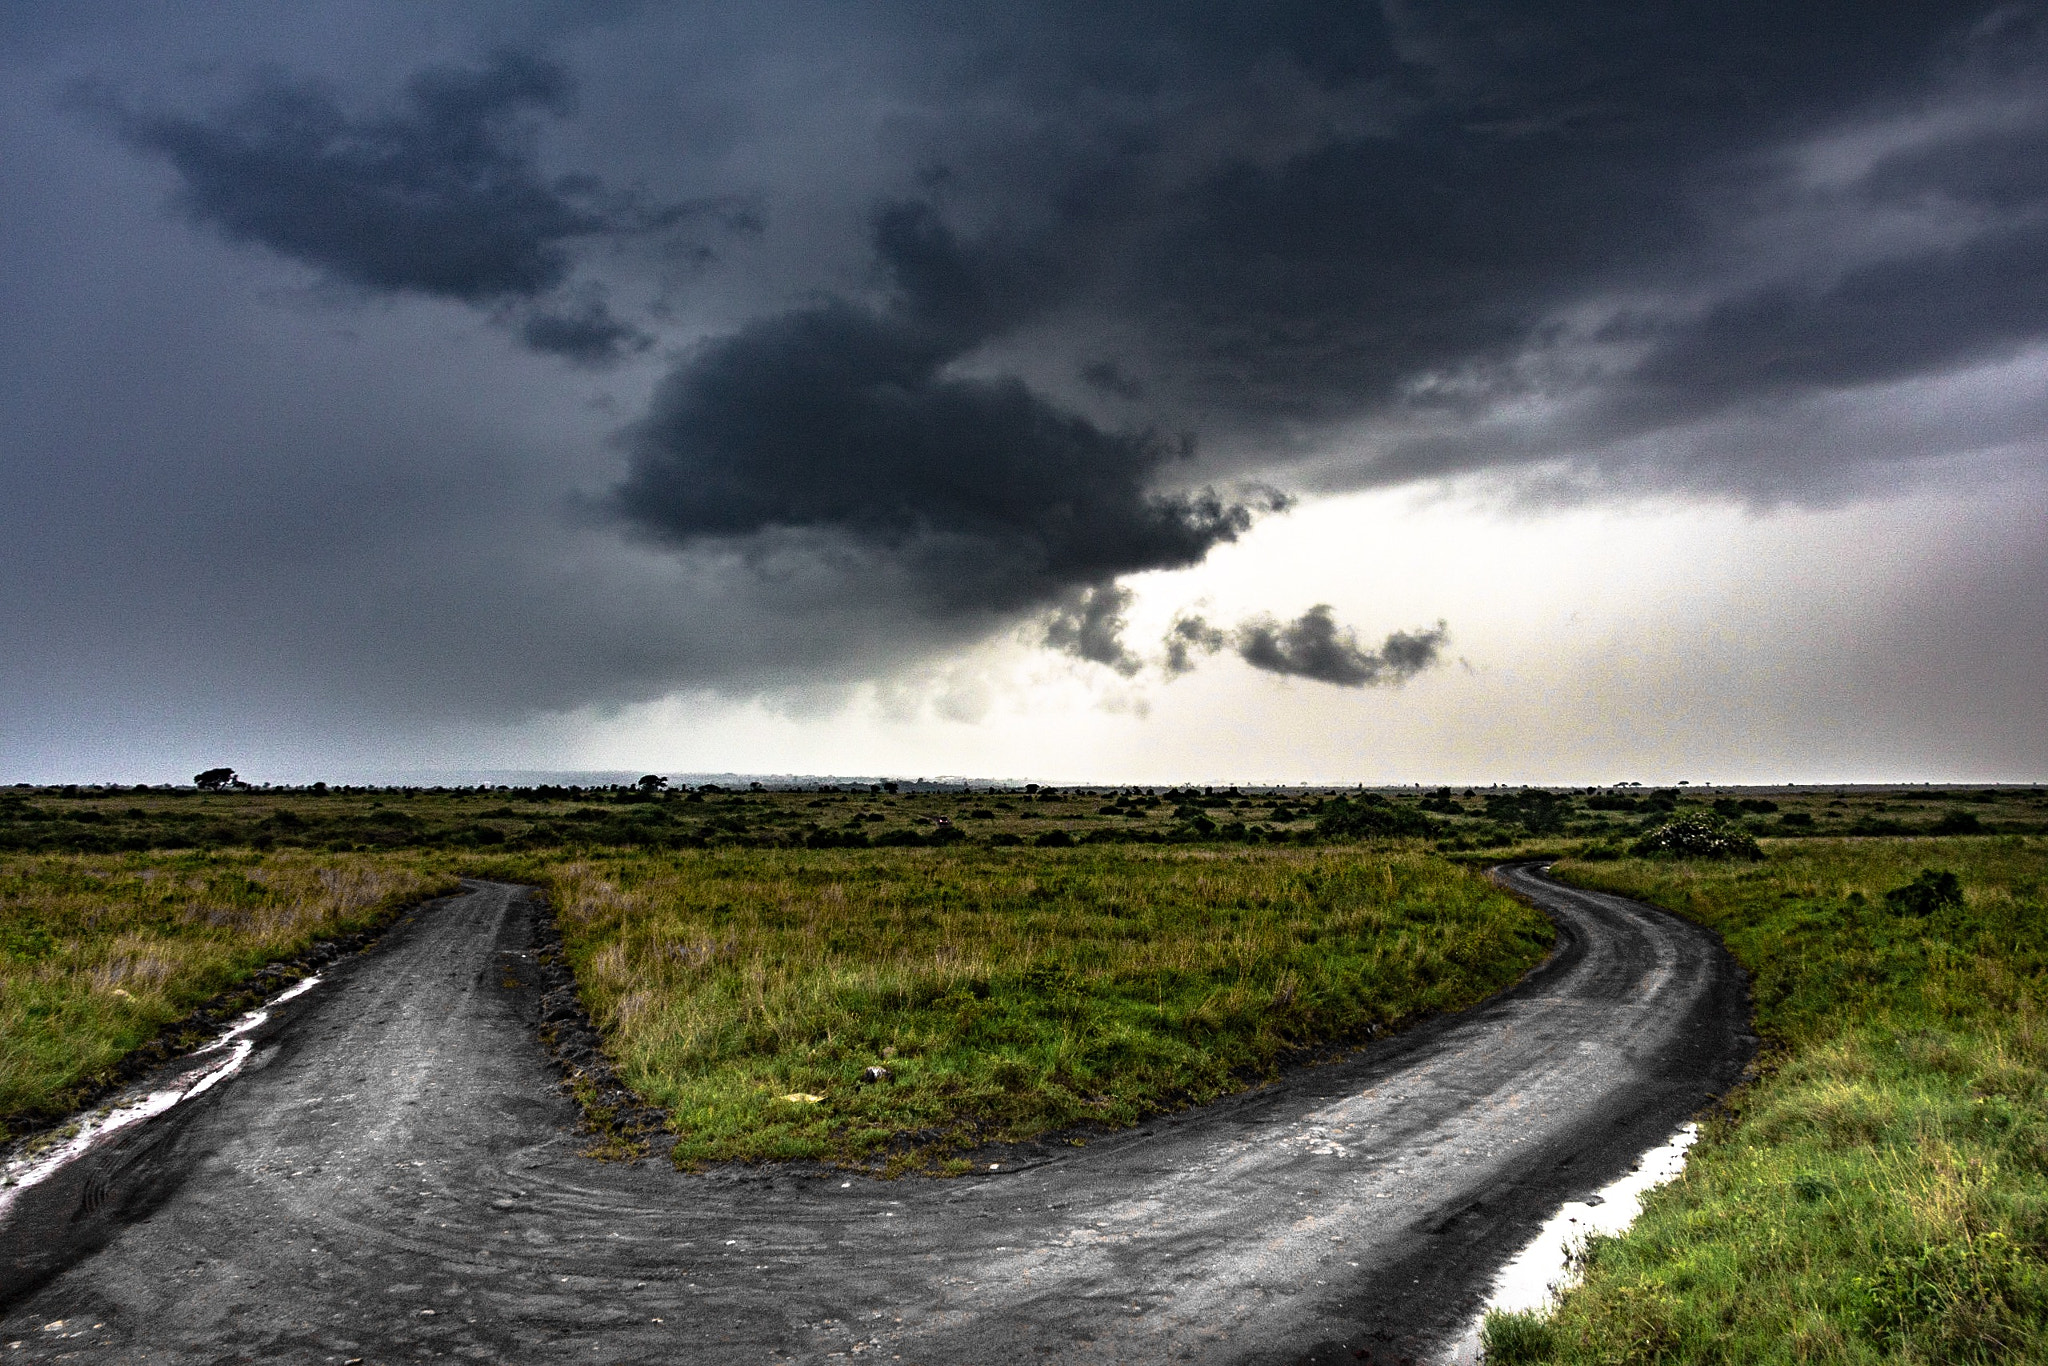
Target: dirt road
{"x": 392, "y": 1178}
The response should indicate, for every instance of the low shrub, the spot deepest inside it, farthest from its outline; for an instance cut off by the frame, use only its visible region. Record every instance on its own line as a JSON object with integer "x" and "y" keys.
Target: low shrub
{"x": 1927, "y": 893}
{"x": 1368, "y": 816}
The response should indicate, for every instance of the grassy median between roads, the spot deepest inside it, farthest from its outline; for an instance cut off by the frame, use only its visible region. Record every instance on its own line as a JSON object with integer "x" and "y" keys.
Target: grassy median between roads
{"x": 1881, "y": 1194}
{"x": 99, "y": 951}
{"x": 1006, "y": 992}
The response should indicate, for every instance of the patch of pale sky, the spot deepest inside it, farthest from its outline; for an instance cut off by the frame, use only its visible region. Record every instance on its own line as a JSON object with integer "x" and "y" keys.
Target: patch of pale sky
{"x": 1652, "y": 642}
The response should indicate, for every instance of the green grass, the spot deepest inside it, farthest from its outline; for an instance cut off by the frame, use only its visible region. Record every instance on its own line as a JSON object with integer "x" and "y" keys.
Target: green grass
{"x": 1881, "y": 1193}
{"x": 100, "y": 951}
{"x": 1009, "y": 992}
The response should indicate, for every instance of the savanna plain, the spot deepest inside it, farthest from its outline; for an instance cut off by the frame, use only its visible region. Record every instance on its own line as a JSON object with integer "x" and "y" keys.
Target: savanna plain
{"x": 888, "y": 977}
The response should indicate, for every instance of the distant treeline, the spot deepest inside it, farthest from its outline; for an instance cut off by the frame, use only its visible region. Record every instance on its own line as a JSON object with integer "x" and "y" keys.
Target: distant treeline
{"x": 113, "y": 820}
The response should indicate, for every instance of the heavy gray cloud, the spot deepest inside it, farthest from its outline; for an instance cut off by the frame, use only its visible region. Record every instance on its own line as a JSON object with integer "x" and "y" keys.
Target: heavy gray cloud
{"x": 844, "y": 422}
{"x": 444, "y": 196}
{"x": 1311, "y": 213}
{"x": 1889, "y": 320}
{"x": 1422, "y": 217}
{"x": 896, "y": 326}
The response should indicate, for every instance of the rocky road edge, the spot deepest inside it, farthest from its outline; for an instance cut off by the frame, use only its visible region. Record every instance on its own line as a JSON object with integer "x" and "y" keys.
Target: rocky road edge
{"x": 182, "y": 1035}
{"x": 620, "y": 1125}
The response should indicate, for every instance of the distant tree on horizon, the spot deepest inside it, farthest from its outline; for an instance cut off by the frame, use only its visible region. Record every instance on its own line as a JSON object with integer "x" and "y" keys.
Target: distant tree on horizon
{"x": 214, "y": 779}
{"x": 651, "y": 782}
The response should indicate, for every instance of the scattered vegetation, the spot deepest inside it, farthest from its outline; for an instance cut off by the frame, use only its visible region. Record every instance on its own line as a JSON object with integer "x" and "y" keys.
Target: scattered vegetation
{"x": 98, "y": 953}
{"x": 1881, "y": 1193}
{"x": 1003, "y": 993}
{"x": 227, "y": 813}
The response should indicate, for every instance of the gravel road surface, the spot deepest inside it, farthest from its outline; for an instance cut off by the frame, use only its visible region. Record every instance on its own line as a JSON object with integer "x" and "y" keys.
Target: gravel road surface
{"x": 393, "y": 1177}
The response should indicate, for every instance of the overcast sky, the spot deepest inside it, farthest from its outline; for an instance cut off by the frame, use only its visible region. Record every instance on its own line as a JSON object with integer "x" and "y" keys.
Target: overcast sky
{"x": 1159, "y": 391}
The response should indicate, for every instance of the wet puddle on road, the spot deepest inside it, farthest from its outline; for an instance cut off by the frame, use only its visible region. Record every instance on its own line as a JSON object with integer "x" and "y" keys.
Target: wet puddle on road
{"x": 204, "y": 1068}
{"x": 1544, "y": 1268}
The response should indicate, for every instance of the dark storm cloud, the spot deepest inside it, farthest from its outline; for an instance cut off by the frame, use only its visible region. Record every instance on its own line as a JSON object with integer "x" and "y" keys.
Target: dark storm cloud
{"x": 444, "y": 197}
{"x": 1188, "y": 638}
{"x": 1298, "y": 216}
{"x": 1402, "y": 224}
{"x": 1109, "y": 377}
{"x": 1887, "y": 321}
{"x": 1312, "y": 646}
{"x": 1006, "y": 259}
{"x": 1292, "y": 216}
{"x": 2002, "y": 170}
{"x": 843, "y": 421}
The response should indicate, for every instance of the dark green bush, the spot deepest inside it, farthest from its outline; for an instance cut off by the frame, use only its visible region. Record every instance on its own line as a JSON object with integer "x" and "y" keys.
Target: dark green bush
{"x": 1367, "y": 815}
{"x": 1931, "y": 891}
{"x": 1535, "y": 810}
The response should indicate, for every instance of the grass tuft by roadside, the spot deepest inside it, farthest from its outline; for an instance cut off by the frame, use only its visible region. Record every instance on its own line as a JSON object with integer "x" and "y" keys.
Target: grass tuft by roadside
{"x": 99, "y": 952}
{"x": 1881, "y": 1192}
{"x": 1000, "y": 994}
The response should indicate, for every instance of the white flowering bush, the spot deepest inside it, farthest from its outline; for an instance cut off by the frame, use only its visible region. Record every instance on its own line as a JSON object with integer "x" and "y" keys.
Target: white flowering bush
{"x": 1698, "y": 836}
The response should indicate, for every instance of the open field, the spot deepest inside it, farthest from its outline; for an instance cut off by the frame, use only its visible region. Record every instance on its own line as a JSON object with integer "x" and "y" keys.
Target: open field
{"x": 1881, "y": 1194}
{"x": 99, "y": 952}
{"x": 1006, "y": 992}
{"x": 127, "y": 846}
{"x": 109, "y": 820}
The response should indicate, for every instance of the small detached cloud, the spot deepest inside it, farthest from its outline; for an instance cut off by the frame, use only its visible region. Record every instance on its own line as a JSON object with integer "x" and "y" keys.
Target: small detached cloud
{"x": 1091, "y": 626}
{"x": 587, "y": 335}
{"x": 1186, "y": 640}
{"x": 1312, "y": 646}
